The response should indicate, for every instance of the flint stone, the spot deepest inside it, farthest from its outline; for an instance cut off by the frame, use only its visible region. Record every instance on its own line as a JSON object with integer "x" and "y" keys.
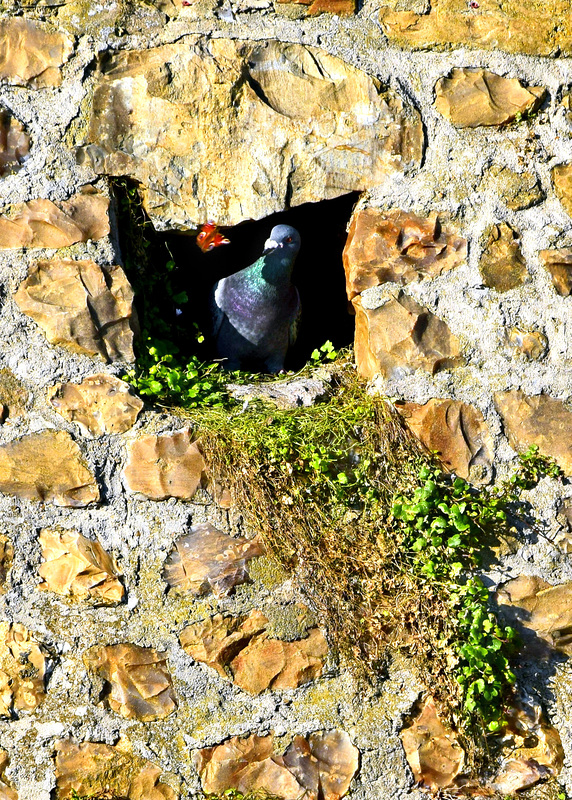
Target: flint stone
{"x": 342, "y": 8}
{"x": 401, "y": 336}
{"x": 14, "y": 143}
{"x": 562, "y": 180}
{"x": 320, "y": 766}
{"x": 7, "y": 792}
{"x": 255, "y": 662}
{"x": 294, "y": 123}
{"x": 30, "y": 55}
{"x": 78, "y": 567}
{"x": 140, "y": 685}
{"x": 41, "y": 223}
{"x": 472, "y": 97}
{"x": 535, "y": 748}
{"x": 91, "y": 768}
{"x": 13, "y": 395}
{"x": 81, "y": 306}
{"x": 457, "y": 431}
{"x": 502, "y": 265}
{"x": 165, "y": 466}
{"x": 432, "y": 750}
{"x": 540, "y": 607}
{"x": 397, "y": 247}
{"x": 207, "y": 560}
{"x": 519, "y": 190}
{"x": 49, "y": 467}
{"x": 100, "y": 404}
{"x": 22, "y": 670}
{"x": 559, "y": 265}
{"x": 537, "y": 28}
{"x": 533, "y": 345}
{"x": 539, "y": 420}
{"x": 6, "y": 558}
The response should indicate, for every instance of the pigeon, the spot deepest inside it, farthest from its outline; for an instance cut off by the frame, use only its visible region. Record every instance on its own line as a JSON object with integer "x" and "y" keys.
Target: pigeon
{"x": 256, "y": 311}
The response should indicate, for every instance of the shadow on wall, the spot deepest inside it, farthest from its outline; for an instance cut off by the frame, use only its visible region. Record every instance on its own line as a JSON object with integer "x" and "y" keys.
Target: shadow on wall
{"x": 318, "y": 273}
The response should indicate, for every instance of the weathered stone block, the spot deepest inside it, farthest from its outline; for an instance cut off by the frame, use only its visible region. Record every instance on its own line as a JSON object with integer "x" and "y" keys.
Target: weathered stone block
{"x": 6, "y": 558}
{"x": 432, "y": 750}
{"x": 539, "y": 420}
{"x": 7, "y": 791}
{"x": 540, "y": 607}
{"x": 502, "y": 264}
{"x": 401, "y": 336}
{"x": 533, "y": 345}
{"x": 23, "y": 666}
{"x": 472, "y": 97}
{"x": 47, "y": 466}
{"x": 165, "y": 466}
{"x": 562, "y": 180}
{"x": 255, "y": 662}
{"x": 140, "y": 685}
{"x": 14, "y": 143}
{"x": 91, "y": 768}
{"x": 78, "y": 567}
{"x": 343, "y": 8}
{"x": 559, "y": 264}
{"x": 397, "y": 247}
{"x": 224, "y": 130}
{"x": 41, "y": 223}
{"x": 30, "y": 54}
{"x": 320, "y": 766}
{"x": 100, "y": 404}
{"x": 81, "y": 306}
{"x": 537, "y": 27}
{"x": 457, "y": 432}
{"x": 207, "y": 560}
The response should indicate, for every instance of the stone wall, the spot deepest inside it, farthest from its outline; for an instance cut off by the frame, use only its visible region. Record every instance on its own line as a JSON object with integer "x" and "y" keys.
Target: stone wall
{"x": 141, "y": 628}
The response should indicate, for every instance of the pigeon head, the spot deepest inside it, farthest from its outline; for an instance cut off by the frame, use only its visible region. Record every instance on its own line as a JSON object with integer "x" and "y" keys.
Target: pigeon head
{"x": 284, "y": 240}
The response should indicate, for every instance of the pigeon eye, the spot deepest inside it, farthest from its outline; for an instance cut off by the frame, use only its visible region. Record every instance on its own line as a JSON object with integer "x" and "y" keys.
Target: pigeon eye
{"x": 288, "y": 239}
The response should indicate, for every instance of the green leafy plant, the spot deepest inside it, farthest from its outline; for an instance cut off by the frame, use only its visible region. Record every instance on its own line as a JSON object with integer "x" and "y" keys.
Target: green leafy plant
{"x": 324, "y": 353}
{"x": 444, "y": 527}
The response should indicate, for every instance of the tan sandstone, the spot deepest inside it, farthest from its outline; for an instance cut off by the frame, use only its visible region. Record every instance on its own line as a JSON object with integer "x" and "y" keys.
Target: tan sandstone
{"x": 540, "y": 420}
{"x": 30, "y": 54}
{"x": 90, "y": 768}
{"x": 502, "y": 264}
{"x": 23, "y": 666}
{"x": 321, "y": 766}
{"x": 81, "y": 306}
{"x": 401, "y": 335}
{"x": 397, "y": 247}
{"x": 41, "y": 223}
{"x": 558, "y": 262}
{"x": 536, "y": 27}
{"x": 240, "y": 647}
{"x": 165, "y": 466}
{"x": 47, "y": 466}
{"x": 457, "y": 432}
{"x": 100, "y": 404}
{"x": 78, "y": 567}
{"x": 343, "y": 8}
{"x": 294, "y": 125}
{"x": 207, "y": 560}
{"x": 472, "y": 97}
{"x": 140, "y": 685}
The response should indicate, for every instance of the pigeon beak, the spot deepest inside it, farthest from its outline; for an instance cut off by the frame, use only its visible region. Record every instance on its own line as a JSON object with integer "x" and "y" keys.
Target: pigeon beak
{"x": 269, "y": 246}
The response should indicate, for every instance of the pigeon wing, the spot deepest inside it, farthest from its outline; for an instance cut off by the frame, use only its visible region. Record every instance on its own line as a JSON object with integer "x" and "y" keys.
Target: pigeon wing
{"x": 217, "y": 314}
{"x": 295, "y": 324}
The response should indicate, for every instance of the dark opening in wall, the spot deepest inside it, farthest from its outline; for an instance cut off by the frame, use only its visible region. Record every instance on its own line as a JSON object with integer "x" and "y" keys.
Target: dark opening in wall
{"x": 318, "y": 272}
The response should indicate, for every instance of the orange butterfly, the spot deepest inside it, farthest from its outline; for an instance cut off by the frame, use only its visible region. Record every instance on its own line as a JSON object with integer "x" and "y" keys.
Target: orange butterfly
{"x": 209, "y": 237}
